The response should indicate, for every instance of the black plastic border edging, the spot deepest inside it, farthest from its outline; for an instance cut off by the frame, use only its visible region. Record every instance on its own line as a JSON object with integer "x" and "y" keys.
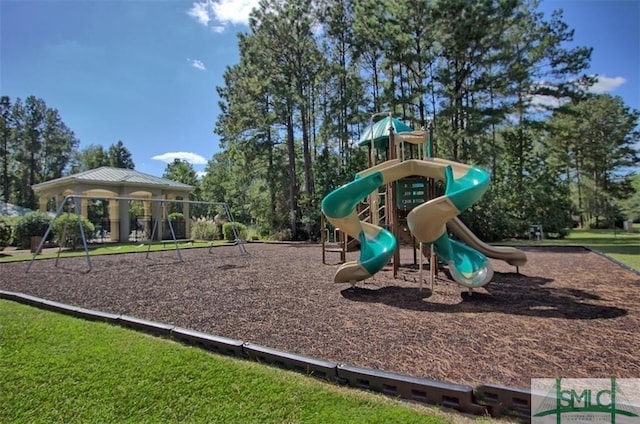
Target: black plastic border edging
{"x": 325, "y": 370}
{"x": 217, "y": 344}
{"x": 486, "y": 399}
{"x": 456, "y": 396}
{"x": 503, "y": 400}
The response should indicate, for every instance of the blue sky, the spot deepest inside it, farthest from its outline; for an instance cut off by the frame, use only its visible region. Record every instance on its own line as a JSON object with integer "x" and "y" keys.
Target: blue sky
{"x": 145, "y": 71}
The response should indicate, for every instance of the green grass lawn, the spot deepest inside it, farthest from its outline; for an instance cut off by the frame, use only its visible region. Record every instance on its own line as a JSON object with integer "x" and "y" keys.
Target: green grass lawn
{"x": 622, "y": 246}
{"x": 619, "y": 245}
{"x": 59, "y": 369}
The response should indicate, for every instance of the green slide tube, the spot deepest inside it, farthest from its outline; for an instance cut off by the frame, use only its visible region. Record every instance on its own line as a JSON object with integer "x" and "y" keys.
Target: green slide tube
{"x": 468, "y": 266}
{"x": 376, "y": 251}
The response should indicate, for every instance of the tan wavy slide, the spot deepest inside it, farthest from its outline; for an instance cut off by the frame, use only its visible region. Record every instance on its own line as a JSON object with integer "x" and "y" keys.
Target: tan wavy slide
{"x": 510, "y": 255}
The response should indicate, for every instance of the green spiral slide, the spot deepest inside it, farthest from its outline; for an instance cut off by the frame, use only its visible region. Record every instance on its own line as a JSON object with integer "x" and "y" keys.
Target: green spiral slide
{"x": 427, "y": 222}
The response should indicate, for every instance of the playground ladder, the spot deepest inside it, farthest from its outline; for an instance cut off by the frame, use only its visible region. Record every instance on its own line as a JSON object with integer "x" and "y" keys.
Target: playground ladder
{"x": 335, "y": 244}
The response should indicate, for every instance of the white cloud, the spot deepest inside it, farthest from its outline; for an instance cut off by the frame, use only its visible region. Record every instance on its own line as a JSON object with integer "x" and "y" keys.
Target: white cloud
{"x": 192, "y": 158}
{"x": 197, "y": 64}
{"x": 233, "y": 11}
{"x": 540, "y": 101}
{"x": 603, "y": 84}
{"x": 222, "y": 12}
{"x": 606, "y": 84}
{"x": 201, "y": 174}
{"x": 200, "y": 12}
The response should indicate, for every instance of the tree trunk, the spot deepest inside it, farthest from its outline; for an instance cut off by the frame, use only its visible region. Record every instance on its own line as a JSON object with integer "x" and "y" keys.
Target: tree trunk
{"x": 306, "y": 151}
{"x": 271, "y": 176}
{"x": 293, "y": 181}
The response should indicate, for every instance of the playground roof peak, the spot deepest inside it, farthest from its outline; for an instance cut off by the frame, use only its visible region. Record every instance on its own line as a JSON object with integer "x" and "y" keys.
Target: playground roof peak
{"x": 379, "y": 132}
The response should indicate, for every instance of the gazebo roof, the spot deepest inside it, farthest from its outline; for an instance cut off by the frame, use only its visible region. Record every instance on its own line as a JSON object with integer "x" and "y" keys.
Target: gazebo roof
{"x": 114, "y": 177}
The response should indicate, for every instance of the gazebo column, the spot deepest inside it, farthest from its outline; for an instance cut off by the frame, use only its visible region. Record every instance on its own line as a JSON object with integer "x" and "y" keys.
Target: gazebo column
{"x": 84, "y": 207}
{"x": 187, "y": 220}
{"x": 42, "y": 203}
{"x": 114, "y": 220}
{"x": 125, "y": 224}
{"x": 59, "y": 200}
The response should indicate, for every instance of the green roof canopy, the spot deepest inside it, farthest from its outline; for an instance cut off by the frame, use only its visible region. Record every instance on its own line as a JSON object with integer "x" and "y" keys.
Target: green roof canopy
{"x": 380, "y": 132}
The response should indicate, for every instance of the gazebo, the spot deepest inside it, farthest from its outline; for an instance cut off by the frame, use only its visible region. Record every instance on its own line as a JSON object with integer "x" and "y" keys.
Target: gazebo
{"x": 107, "y": 182}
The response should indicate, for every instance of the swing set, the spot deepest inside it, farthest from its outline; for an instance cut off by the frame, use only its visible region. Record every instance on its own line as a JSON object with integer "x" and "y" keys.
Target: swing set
{"x": 74, "y": 201}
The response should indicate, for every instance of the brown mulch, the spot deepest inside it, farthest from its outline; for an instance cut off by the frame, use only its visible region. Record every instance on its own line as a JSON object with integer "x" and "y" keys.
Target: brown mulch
{"x": 570, "y": 313}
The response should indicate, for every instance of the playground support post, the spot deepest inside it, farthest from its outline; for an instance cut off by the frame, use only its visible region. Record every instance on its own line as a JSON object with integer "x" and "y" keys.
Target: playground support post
{"x": 339, "y": 237}
{"x": 433, "y": 260}
{"x": 391, "y": 211}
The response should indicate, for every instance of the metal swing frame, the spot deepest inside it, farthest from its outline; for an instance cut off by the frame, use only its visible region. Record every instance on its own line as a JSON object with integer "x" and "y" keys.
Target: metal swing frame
{"x": 74, "y": 197}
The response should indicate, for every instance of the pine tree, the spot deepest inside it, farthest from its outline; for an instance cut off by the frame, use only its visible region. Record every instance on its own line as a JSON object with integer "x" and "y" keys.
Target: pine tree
{"x": 119, "y": 156}
{"x": 6, "y": 130}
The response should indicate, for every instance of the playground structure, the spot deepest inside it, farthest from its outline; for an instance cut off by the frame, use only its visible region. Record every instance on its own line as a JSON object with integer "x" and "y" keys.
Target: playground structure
{"x": 400, "y": 192}
{"x": 160, "y": 210}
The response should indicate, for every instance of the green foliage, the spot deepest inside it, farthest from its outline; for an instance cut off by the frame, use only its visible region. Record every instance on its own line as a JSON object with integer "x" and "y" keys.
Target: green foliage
{"x": 203, "y": 229}
{"x": 91, "y": 157}
{"x": 594, "y": 142}
{"x": 283, "y": 235}
{"x": 95, "y": 156}
{"x": 35, "y": 146}
{"x": 119, "y": 156}
{"x": 97, "y": 210}
{"x": 176, "y": 216}
{"x": 31, "y": 225}
{"x": 12, "y": 221}
{"x": 630, "y": 206}
{"x": 183, "y": 172}
{"x": 136, "y": 210}
{"x": 489, "y": 219}
{"x": 178, "y": 224}
{"x": 67, "y": 230}
{"x": 229, "y": 233}
{"x": 5, "y": 233}
{"x": 253, "y": 233}
{"x": 228, "y": 176}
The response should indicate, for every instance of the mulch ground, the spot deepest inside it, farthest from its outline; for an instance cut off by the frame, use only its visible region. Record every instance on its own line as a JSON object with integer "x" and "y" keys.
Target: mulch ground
{"x": 569, "y": 313}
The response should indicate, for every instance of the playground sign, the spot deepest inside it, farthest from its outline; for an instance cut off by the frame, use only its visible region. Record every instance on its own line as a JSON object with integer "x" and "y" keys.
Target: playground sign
{"x": 411, "y": 192}
{"x": 585, "y": 400}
